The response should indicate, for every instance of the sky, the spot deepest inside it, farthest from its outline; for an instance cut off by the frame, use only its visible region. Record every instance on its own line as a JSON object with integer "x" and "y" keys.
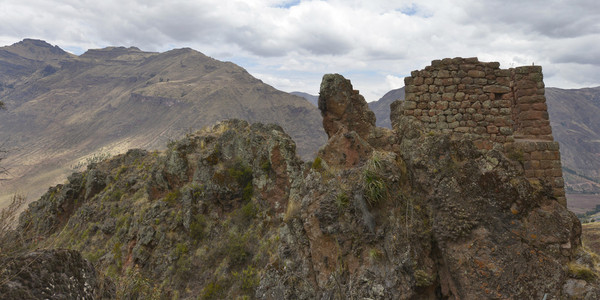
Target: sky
{"x": 291, "y": 44}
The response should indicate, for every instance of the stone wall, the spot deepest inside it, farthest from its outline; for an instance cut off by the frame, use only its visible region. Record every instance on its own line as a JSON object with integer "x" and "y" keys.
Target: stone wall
{"x": 494, "y": 107}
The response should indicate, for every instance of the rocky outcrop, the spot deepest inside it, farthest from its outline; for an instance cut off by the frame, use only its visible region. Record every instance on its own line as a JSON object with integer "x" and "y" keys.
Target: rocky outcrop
{"x": 52, "y": 274}
{"x": 231, "y": 212}
{"x": 343, "y": 108}
{"x": 348, "y": 122}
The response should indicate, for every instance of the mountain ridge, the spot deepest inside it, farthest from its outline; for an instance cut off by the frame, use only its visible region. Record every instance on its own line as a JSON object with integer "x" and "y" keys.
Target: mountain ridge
{"x": 113, "y": 99}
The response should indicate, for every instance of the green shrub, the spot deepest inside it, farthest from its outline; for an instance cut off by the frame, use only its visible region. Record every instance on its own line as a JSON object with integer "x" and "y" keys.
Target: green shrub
{"x": 248, "y": 278}
{"x": 342, "y": 200}
{"x": 172, "y": 197}
{"x": 235, "y": 248}
{"x": 249, "y": 211}
{"x": 375, "y": 188}
{"x": 197, "y": 227}
{"x": 317, "y": 163}
{"x": 213, "y": 290}
{"x": 266, "y": 166}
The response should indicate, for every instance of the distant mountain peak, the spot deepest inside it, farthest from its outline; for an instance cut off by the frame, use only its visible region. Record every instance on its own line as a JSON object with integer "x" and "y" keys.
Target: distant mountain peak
{"x": 113, "y": 52}
{"x": 36, "y": 50}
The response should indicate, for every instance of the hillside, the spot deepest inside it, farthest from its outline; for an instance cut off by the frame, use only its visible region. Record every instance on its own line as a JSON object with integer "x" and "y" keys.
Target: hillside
{"x": 311, "y": 98}
{"x": 381, "y": 107}
{"x": 230, "y": 212}
{"x": 64, "y": 110}
{"x": 577, "y": 127}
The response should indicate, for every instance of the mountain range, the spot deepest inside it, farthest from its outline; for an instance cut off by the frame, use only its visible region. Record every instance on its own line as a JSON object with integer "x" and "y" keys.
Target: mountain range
{"x": 63, "y": 110}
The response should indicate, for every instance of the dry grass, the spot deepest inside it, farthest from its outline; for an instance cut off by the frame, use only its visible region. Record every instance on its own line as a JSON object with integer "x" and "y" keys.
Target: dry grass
{"x": 591, "y": 236}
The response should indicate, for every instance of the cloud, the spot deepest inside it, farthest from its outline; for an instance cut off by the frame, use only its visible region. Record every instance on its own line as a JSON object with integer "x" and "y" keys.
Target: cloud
{"x": 292, "y": 43}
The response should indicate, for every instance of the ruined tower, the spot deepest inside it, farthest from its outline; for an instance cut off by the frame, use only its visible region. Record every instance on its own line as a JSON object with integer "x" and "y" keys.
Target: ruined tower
{"x": 502, "y": 108}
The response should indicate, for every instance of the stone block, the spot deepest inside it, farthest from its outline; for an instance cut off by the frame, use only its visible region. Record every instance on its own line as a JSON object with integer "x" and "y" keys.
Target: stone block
{"x": 479, "y": 130}
{"x": 539, "y": 173}
{"x": 539, "y": 106}
{"x": 448, "y": 96}
{"x": 537, "y": 155}
{"x": 443, "y": 74}
{"x": 476, "y": 73}
{"x": 506, "y": 131}
{"x": 491, "y": 129}
{"x": 466, "y": 80}
{"x": 557, "y": 173}
{"x": 442, "y": 104}
{"x": 410, "y": 88}
{"x": 447, "y": 81}
{"x": 410, "y": 105}
{"x": 545, "y": 130}
{"x": 533, "y": 115}
{"x": 546, "y": 164}
{"x": 553, "y": 146}
{"x": 522, "y": 92}
{"x": 496, "y": 89}
{"x": 480, "y": 81}
{"x": 505, "y": 111}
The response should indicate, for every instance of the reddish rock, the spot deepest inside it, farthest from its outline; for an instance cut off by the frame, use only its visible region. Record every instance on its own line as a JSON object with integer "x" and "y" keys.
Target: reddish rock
{"x": 343, "y": 108}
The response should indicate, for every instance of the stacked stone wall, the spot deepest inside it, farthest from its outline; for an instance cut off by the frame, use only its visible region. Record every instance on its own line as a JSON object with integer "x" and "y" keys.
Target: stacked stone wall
{"x": 493, "y": 107}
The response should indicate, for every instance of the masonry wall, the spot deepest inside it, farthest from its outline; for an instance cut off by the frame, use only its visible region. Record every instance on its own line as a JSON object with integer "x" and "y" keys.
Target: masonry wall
{"x": 494, "y": 107}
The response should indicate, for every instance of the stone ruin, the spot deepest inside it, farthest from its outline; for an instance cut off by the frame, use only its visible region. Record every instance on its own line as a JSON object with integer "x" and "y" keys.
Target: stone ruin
{"x": 496, "y": 108}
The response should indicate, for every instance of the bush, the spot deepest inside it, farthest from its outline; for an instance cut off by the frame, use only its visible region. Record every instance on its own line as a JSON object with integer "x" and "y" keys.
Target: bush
{"x": 213, "y": 290}
{"x": 375, "y": 188}
{"x": 248, "y": 279}
{"x": 317, "y": 163}
{"x": 172, "y": 197}
{"x": 197, "y": 227}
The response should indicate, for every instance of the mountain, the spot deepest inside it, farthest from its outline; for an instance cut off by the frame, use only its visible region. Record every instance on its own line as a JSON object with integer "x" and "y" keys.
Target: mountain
{"x": 64, "y": 110}
{"x": 381, "y": 107}
{"x": 575, "y": 124}
{"x": 311, "y": 98}
{"x": 230, "y": 212}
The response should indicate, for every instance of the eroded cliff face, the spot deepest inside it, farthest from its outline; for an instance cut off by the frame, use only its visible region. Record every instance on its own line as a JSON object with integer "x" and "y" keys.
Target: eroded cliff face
{"x": 231, "y": 212}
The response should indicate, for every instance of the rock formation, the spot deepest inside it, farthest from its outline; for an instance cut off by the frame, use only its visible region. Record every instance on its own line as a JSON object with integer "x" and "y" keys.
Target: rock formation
{"x": 52, "y": 274}
{"x": 416, "y": 212}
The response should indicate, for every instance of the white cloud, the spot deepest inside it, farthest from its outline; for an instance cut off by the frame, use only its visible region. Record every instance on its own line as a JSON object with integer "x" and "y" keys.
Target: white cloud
{"x": 291, "y": 44}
